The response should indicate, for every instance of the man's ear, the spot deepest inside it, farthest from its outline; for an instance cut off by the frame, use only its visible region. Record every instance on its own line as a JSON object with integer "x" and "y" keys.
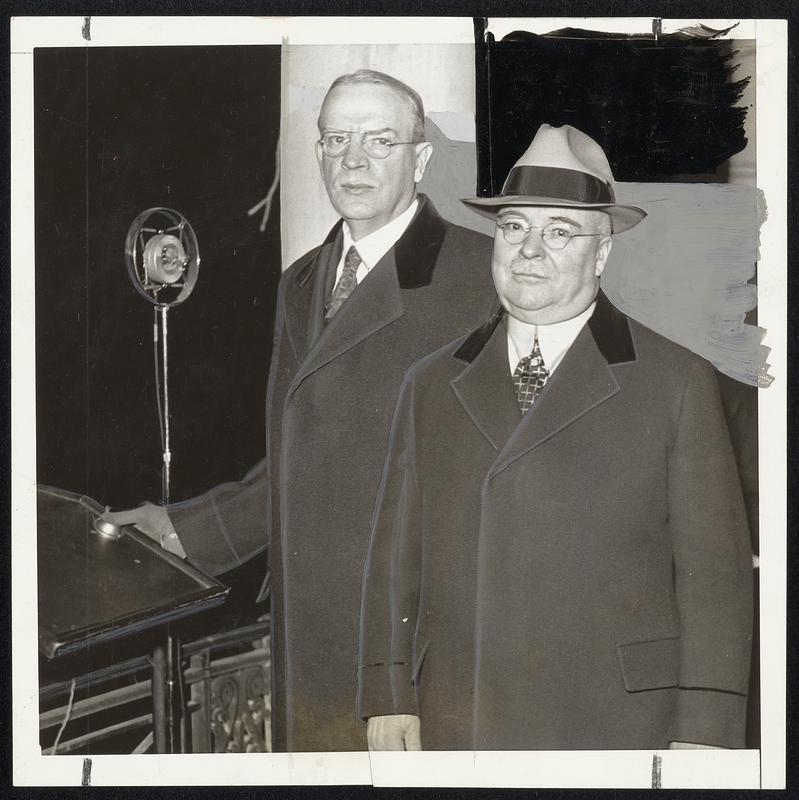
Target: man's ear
{"x": 423, "y": 152}
{"x": 319, "y": 155}
{"x": 602, "y": 253}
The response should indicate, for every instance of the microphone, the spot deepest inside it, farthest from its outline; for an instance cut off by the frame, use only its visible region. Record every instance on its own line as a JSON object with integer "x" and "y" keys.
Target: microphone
{"x": 162, "y": 256}
{"x": 163, "y": 261}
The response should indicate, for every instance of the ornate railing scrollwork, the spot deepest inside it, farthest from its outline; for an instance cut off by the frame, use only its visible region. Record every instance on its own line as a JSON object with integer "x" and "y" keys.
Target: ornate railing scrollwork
{"x": 238, "y": 711}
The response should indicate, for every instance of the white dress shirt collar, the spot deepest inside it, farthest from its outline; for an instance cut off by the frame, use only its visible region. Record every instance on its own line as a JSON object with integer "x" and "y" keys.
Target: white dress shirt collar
{"x": 553, "y": 340}
{"x": 374, "y": 246}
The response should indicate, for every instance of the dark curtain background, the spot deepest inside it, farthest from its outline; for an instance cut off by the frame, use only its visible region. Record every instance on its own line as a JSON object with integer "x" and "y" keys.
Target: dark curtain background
{"x": 119, "y": 130}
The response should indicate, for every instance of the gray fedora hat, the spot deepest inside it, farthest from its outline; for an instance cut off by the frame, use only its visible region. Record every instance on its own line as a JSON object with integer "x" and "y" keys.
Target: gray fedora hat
{"x": 562, "y": 167}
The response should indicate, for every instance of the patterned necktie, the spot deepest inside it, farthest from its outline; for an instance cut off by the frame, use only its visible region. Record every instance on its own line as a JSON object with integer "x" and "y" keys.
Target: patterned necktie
{"x": 346, "y": 283}
{"x": 529, "y": 378}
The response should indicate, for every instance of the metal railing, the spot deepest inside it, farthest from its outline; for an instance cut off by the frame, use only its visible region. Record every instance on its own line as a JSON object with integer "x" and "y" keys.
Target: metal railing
{"x": 227, "y": 707}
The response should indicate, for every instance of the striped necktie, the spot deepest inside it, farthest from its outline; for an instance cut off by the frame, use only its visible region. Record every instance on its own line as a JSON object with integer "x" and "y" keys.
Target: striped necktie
{"x": 346, "y": 283}
{"x": 529, "y": 378}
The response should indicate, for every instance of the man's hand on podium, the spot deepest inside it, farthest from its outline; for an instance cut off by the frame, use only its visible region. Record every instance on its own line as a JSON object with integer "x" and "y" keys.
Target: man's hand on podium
{"x": 152, "y": 520}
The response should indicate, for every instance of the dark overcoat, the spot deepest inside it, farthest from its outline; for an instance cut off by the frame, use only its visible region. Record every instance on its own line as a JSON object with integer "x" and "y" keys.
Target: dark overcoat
{"x": 577, "y": 578}
{"x": 332, "y": 391}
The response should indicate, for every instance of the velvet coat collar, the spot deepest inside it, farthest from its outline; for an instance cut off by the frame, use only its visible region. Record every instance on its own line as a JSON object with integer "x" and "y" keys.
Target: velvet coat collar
{"x": 407, "y": 266}
{"x": 415, "y": 252}
{"x": 584, "y": 379}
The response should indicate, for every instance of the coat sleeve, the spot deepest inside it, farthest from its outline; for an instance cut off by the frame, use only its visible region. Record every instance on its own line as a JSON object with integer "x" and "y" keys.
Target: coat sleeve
{"x": 226, "y": 526}
{"x": 390, "y": 592}
{"x": 712, "y": 570}
{"x": 230, "y": 524}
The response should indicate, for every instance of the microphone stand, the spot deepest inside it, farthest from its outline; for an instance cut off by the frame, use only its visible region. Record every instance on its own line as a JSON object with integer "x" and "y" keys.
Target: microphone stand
{"x": 169, "y": 731}
{"x": 152, "y": 265}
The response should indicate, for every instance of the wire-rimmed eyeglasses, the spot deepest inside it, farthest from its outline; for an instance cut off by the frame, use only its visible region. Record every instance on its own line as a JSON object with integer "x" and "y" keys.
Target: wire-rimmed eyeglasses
{"x": 375, "y": 145}
{"x": 555, "y": 236}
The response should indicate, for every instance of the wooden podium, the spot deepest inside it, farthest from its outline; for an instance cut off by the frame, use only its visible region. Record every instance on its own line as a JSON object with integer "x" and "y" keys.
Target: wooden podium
{"x": 95, "y": 589}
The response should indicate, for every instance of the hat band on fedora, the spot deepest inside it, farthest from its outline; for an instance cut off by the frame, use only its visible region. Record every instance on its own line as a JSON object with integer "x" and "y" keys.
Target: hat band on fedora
{"x": 565, "y": 184}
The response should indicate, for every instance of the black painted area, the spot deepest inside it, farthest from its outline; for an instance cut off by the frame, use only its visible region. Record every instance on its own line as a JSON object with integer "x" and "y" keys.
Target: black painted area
{"x": 118, "y": 130}
{"x": 660, "y": 109}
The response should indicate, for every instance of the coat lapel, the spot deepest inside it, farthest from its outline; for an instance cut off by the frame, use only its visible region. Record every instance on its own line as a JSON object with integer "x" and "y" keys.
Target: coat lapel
{"x": 416, "y": 251}
{"x": 582, "y": 381}
{"x": 305, "y": 296}
{"x": 485, "y": 387}
{"x": 375, "y": 303}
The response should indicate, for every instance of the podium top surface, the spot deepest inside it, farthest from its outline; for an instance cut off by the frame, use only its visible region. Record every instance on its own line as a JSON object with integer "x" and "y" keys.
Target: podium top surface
{"x": 93, "y": 588}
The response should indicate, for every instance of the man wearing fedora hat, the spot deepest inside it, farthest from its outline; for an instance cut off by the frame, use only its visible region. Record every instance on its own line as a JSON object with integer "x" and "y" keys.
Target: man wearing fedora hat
{"x": 559, "y": 556}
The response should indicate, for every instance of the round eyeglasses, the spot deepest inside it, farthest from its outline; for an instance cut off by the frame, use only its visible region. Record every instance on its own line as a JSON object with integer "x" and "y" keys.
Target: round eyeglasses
{"x": 375, "y": 145}
{"x": 554, "y": 236}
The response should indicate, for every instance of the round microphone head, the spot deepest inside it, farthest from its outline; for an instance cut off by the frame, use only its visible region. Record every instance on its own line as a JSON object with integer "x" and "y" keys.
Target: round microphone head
{"x": 162, "y": 256}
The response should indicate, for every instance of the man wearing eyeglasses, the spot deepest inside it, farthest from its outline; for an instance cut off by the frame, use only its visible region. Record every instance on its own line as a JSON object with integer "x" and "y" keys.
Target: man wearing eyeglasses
{"x": 391, "y": 282}
{"x": 560, "y": 556}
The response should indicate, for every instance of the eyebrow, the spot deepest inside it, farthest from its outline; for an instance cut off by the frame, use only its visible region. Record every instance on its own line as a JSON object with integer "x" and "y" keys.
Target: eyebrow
{"x": 565, "y": 219}
{"x": 368, "y": 133}
{"x": 505, "y": 213}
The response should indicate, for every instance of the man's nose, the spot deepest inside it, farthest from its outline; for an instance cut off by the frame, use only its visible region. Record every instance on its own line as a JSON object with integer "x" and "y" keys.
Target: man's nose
{"x": 355, "y": 156}
{"x": 533, "y": 245}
